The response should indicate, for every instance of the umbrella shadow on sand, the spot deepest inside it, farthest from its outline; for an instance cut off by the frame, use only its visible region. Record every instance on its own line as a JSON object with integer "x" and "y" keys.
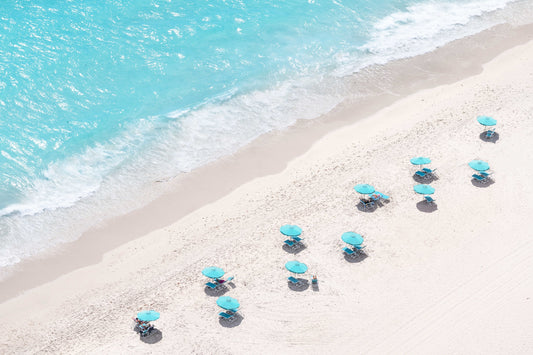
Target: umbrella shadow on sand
{"x": 477, "y": 183}
{"x": 217, "y": 292}
{"x": 357, "y": 258}
{"x": 362, "y": 208}
{"x": 234, "y": 322}
{"x": 299, "y": 288}
{"x": 295, "y": 249}
{"x": 424, "y": 206}
{"x": 493, "y": 139}
{"x": 425, "y": 180}
{"x": 155, "y": 336}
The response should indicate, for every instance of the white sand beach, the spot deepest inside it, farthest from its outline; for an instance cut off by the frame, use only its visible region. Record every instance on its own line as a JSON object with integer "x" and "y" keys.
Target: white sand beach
{"x": 455, "y": 279}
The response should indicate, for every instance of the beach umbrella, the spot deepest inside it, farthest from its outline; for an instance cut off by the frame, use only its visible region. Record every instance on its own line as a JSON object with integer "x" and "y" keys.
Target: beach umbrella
{"x": 424, "y": 189}
{"x": 486, "y": 120}
{"x": 148, "y": 316}
{"x": 213, "y": 272}
{"x": 364, "y": 189}
{"x": 420, "y": 161}
{"x": 479, "y": 165}
{"x": 291, "y": 230}
{"x": 228, "y": 303}
{"x": 352, "y": 238}
{"x": 296, "y": 267}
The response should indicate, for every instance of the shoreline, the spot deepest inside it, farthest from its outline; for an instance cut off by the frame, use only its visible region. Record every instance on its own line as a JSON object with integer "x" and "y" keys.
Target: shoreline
{"x": 267, "y": 155}
{"x": 457, "y": 271}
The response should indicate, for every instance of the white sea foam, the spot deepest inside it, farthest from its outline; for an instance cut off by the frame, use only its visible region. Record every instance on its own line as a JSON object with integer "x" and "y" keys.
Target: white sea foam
{"x": 424, "y": 27}
{"x": 410, "y": 32}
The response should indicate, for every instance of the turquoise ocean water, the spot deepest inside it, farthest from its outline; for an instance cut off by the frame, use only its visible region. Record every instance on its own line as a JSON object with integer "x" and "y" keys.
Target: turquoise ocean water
{"x": 100, "y": 98}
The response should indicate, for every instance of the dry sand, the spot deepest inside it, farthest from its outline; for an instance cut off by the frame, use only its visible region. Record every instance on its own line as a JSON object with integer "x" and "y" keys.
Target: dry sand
{"x": 454, "y": 279}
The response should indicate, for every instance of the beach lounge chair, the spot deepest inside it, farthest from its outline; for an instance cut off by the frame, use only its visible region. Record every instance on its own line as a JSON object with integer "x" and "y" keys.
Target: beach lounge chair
{"x": 290, "y": 243}
{"x": 348, "y": 251}
{"x": 480, "y": 178}
{"x": 383, "y": 196}
{"x": 485, "y": 174}
{"x": 227, "y": 316}
{"x": 297, "y": 239}
{"x": 145, "y": 329}
{"x": 429, "y": 199}
{"x": 421, "y": 174}
{"x": 295, "y": 281}
{"x": 214, "y": 286}
{"x": 367, "y": 203}
{"x": 430, "y": 172}
{"x": 360, "y": 247}
{"x": 375, "y": 197}
{"x": 490, "y": 133}
{"x": 230, "y": 278}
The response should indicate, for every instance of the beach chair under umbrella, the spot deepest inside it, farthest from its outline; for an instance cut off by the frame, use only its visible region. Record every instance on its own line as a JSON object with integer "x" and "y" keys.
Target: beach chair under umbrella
{"x": 297, "y": 268}
{"x": 487, "y": 121}
{"x": 230, "y": 304}
{"x": 353, "y": 239}
{"x": 420, "y": 162}
{"x": 294, "y": 232}
{"x": 143, "y": 319}
{"x": 365, "y": 189}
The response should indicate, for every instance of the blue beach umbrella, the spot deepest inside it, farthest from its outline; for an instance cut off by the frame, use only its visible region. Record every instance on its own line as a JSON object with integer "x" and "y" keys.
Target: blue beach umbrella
{"x": 228, "y": 303}
{"x": 486, "y": 120}
{"x": 296, "y": 267}
{"x": 420, "y": 161}
{"x": 213, "y": 272}
{"x": 479, "y": 165}
{"x": 424, "y": 189}
{"x": 364, "y": 189}
{"x": 291, "y": 230}
{"x": 148, "y": 316}
{"x": 352, "y": 238}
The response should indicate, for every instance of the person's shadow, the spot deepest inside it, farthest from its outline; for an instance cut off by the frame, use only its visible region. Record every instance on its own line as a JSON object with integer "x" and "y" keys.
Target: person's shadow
{"x": 314, "y": 286}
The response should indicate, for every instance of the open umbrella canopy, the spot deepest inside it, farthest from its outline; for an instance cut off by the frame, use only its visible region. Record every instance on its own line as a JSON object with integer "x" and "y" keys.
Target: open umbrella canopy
{"x": 213, "y": 272}
{"x": 228, "y": 303}
{"x": 148, "y": 316}
{"x": 420, "y": 161}
{"x": 296, "y": 267}
{"x": 486, "y": 120}
{"x": 291, "y": 230}
{"x": 479, "y": 165}
{"x": 424, "y": 189}
{"x": 352, "y": 238}
{"x": 364, "y": 189}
